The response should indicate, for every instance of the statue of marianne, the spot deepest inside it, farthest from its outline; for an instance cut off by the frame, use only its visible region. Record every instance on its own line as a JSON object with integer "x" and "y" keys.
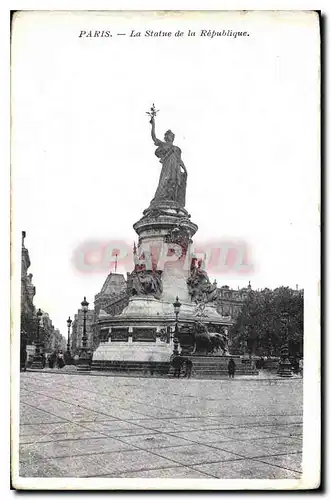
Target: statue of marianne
{"x": 173, "y": 176}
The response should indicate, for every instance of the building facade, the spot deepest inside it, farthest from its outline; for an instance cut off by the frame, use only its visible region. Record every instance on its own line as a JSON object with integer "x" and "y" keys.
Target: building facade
{"x": 77, "y": 330}
{"x": 230, "y": 301}
{"x": 28, "y": 291}
{"x": 57, "y": 341}
{"x": 50, "y": 337}
{"x": 113, "y": 289}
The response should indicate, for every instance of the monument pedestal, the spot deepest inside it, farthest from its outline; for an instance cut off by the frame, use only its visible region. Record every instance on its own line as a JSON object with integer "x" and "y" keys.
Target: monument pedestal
{"x": 138, "y": 357}
{"x": 135, "y": 335}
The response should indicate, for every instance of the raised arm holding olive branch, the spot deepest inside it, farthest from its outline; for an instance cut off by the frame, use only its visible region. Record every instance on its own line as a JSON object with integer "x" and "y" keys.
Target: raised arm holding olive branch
{"x": 172, "y": 182}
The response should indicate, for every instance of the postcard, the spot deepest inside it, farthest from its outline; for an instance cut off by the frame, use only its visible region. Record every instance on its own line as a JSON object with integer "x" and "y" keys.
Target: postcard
{"x": 165, "y": 246}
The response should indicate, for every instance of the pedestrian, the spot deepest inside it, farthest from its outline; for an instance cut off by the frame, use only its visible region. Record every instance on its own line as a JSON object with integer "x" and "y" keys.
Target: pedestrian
{"x": 24, "y": 359}
{"x": 231, "y": 368}
{"x": 177, "y": 364}
{"x": 60, "y": 360}
{"x": 188, "y": 368}
{"x": 151, "y": 365}
{"x": 52, "y": 359}
{"x": 91, "y": 357}
{"x": 301, "y": 366}
{"x": 296, "y": 366}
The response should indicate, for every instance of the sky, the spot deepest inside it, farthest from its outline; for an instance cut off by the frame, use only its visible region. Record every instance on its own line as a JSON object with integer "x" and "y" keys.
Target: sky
{"x": 245, "y": 113}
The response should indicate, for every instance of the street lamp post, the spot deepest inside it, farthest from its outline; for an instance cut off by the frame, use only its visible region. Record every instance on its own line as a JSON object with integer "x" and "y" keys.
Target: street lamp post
{"x": 285, "y": 368}
{"x": 37, "y": 362}
{"x": 84, "y": 358}
{"x": 68, "y": 353}
{"x": 177, "y": 306}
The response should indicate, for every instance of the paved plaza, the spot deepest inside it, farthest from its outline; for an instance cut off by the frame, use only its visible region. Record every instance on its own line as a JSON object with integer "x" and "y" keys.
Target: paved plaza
{"x": 104, "y": 426}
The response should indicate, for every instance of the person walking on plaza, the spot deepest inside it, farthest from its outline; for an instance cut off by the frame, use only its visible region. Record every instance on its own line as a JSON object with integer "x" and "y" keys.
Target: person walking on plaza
{"x": 231, "y": 368}
{"x": 177, "y": 364}
{"x": 296, "y": 366}
{"x": 24, "y": 359}
{"x": 60, "y": 360}
{"x": 151, "y": 366}
{"x": 301, "y": 366}
{"x": 52, "y": 360}
{"x": 188, "y": 368}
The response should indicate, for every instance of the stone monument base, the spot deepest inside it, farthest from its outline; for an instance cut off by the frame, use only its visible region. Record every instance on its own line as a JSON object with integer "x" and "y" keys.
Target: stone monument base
{"x": 144, "y": 357}
{"x": 154, "y": 359}
{"x": 136, "y": 351}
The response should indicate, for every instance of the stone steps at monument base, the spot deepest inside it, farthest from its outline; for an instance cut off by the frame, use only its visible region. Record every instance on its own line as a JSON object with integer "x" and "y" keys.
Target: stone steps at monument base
{"x": 220, "y": 368}
{"x": 217, "y": 371}
{"x": 165, "y": 368}
{"x": 156, "y": 367}
{"x": 239, "y": 371}
{"x": 219, "y": 364}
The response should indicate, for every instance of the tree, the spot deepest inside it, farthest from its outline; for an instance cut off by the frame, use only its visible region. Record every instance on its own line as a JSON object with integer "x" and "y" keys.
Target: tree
{"x": 259, "y": 325}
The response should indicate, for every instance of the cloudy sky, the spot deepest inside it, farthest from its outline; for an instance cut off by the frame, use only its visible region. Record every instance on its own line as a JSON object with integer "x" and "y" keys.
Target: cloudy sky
{"x": 245, "y": 114}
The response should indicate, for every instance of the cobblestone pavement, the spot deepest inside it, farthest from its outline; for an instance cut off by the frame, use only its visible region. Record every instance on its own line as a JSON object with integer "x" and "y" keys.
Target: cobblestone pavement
{"x": 96, "y": 426}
